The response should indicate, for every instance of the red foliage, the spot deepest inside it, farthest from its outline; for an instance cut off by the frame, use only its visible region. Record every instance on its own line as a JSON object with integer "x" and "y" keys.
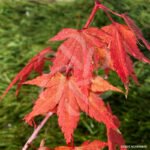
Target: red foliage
{"x": 65, "y": 95}
{"x": 122, "y": 44}
{"x": 71, "y": 85}
{"x": 36, "y": 63}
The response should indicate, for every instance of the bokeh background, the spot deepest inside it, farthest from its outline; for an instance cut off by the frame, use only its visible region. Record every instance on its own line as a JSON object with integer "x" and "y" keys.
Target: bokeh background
{"x": 25, "y": 27}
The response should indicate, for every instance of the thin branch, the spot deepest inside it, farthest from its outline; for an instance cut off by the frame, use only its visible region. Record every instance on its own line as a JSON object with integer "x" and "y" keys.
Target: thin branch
{"x": 103, "y": 7}
{"x": 110, "y": 10}
{"x": 108, "y": 15}
{"x": 36, "y": 131}
{"x": 92, "y": 15}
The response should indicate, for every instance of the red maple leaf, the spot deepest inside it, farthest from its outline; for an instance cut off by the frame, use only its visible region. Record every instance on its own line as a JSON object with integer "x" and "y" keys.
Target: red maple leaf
{"x": 65, "y": 94}
{"x": 71, "y": 85}
{"x": 36, "y": 63}
{"x": 135, "y": 29}
{"x": 76, "y": 53}
{"x": 108, "y": 47}
{"x": 122, "y": 44}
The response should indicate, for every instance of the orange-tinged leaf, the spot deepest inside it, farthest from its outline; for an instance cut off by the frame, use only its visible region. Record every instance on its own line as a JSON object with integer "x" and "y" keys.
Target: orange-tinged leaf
{"x": 99, "y": 111}
{"x": 65, "y": 94}
{"x": 47, "y": 100}
{"x": 61, "y": 92}
{"x": 40, "y": 81}
{"x": 68, "y": 112}
{"x": 101, "y": 85}
{"x": 81, "y": 98}
{"x": 46, "y": 80}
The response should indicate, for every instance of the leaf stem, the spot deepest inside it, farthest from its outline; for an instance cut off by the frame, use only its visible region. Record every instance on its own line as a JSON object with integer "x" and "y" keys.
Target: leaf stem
{"x": 92, "y": 15}
{"x": 108, "y": 15}
{"x": 103, "y": 7}
{"x": 36, "y": 131}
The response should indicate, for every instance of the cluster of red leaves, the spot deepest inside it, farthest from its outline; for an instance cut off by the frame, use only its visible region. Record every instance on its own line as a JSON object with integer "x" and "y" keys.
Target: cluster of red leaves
{"x": 71, "y": 86}
{"x": 64, "y": 95}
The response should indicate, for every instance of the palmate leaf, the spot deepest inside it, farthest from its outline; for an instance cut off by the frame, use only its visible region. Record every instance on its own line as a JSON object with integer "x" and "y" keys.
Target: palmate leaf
{"x": 103, "y": 85}
{"x": 36, "y": 63}
{"x": 135, "y": 29}
{"x": 122, "y": 44}
{"x": 71, "y": 86}
{"x": 64, "y": 94}
{"x": 107, "y": 47}
{"x": 76, "y": 53}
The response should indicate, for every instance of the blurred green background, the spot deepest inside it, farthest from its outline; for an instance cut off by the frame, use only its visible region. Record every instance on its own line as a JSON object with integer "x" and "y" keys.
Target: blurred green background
{"x": 25, "y": 27}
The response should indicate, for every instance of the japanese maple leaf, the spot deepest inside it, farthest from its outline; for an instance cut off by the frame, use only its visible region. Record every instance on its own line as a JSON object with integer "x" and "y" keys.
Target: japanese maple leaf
{"x": 64, "y": 93}
{"x": 135, "y": 29}
{"x": 114, "y": 136}
{"x": 36, "y": 63}
{"x": 95, "y": 145}
{"x": 76, "y": 52}
{"x": 122, "y": 44}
